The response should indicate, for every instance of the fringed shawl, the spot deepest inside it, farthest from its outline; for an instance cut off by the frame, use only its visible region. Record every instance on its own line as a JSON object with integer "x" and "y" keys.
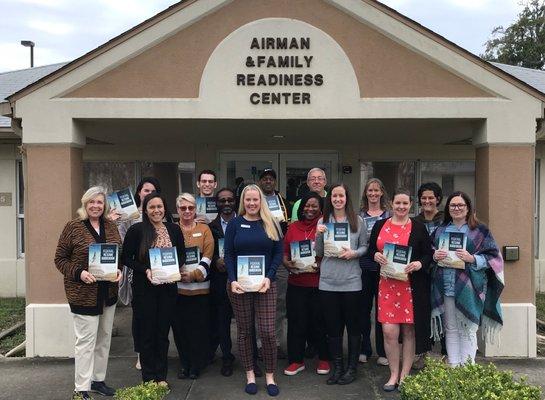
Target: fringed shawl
{"x": 477, "y": 292}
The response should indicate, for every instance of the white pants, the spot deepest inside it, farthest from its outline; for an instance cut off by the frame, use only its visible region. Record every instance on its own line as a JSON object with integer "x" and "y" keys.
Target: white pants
{"x": 93, "y": 337}
{"x": 461, "y": 344}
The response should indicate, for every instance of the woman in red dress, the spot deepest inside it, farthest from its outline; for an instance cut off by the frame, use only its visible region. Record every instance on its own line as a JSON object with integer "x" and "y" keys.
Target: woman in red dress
{"x": 403, "y": 306}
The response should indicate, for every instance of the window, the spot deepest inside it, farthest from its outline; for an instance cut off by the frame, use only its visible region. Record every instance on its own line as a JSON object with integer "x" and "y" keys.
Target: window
{"x": 20, "y": 210}
{"x": 450, "y": 175}
{"x": 113, "y": 175}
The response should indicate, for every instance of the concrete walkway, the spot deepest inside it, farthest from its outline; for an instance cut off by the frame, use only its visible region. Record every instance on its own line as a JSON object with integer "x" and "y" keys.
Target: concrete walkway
{"x": 52, "y": 379}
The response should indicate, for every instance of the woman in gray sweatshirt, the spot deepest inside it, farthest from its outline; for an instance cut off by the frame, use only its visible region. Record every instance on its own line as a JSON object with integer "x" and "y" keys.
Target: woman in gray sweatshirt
{"x": 341, "y": 240}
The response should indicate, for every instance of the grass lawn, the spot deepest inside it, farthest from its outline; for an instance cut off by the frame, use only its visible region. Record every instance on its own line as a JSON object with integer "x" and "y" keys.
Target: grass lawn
{"x": 12, "y": 310}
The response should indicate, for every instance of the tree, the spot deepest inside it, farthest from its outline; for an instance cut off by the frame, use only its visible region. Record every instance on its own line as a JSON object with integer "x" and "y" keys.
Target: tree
{"x": 523, "y": 42}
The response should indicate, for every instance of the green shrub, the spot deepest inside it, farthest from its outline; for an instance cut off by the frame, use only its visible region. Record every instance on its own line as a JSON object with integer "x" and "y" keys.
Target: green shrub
{"x": 438, "y": 381}
{"x": 144, "y": 391}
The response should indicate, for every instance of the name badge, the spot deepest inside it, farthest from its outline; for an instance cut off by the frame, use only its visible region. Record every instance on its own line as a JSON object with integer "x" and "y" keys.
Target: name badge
{"x": 197, "y": 234}
{"x": 245, "y": 226}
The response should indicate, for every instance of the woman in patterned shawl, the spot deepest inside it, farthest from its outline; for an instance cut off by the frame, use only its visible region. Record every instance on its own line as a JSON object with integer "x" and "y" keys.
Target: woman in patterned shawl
{"x": 465, "y": 298}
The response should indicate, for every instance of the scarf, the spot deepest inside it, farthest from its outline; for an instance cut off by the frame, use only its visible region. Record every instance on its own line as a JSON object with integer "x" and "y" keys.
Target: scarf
{"x": 477, "y": 293}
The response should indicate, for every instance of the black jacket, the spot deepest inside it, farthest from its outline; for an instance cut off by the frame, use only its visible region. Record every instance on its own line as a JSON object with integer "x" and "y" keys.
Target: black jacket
{"x": 131, "y": 250}
{"x": 420, "y": 280}
{"x": 217, "y": 232}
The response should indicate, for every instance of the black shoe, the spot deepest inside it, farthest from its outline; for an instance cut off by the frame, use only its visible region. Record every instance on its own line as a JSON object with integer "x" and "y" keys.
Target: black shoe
{"x": 227, "y": 368}
{"x": 81, "y": 396}
{"x": 310, "y": 351}
{"x": 280, "y": 354}
{"x": 183, "y": 373}
{"x": 257, "y": 371}
{"x": 194, "y": 373}
{"x": 336, "y": 350}
{"x": 102, "y": 389}
{"x": 353, "y": 353}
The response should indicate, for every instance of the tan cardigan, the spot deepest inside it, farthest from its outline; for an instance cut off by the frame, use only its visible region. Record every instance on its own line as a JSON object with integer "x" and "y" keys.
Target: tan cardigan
{"x": 202, "y": 237}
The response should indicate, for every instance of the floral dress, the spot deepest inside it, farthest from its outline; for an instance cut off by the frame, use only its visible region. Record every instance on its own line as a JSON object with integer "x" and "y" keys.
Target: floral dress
{"x": 395, "y": 300}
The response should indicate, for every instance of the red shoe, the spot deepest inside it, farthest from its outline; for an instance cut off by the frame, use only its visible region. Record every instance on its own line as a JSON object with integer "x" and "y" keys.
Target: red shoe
{"x": 294, "y": 369}
{"x": 323, "y": 367}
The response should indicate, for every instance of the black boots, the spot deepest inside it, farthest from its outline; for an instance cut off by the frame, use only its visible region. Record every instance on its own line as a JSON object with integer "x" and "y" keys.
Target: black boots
{"x": 336, "y": 350}
{"x": 353, "y": 353}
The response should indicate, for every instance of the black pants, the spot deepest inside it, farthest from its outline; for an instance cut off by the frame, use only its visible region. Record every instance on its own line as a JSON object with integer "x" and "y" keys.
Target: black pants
{"x": 220, "y": 316}
{"x": 135, "y": 329}
{"x": 305, "y": 315}
{"x": 341, "y": 309}
{"x": 370, "y": 281}
{"x": 191, "y": 330}
{"x": 154, "y": 308}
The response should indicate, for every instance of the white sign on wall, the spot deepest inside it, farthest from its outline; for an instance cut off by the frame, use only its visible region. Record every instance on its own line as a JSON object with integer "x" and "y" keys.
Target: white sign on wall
{"x": 279, "y": 67}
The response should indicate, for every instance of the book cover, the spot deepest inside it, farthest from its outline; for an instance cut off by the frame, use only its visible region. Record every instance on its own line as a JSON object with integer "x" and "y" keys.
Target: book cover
{"x": 221, "y": 248}
{"x": 206, "y": 206}
{"x": 164, "y": 264}
{"x": 250, "y": 272}
{"x": 123, "y": 202}
{"x": 275, "y": 207}
{"x": 103, "y": 261}
{"x": 336, "y": 236}
{"x": 304, "y": 255}
{"x": 431, "y": 226}
{"x": 370, "y": 223}
{"x": 398, "y": 257}
{"x": 452, "y": 241}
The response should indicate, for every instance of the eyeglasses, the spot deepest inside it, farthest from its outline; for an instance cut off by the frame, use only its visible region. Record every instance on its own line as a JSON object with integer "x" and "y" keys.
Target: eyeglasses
{"x": 226, "y": 200}
{"x": 457, "y": 206}
{"x": 186, "y": 208}
{"x": 316, "y": 178}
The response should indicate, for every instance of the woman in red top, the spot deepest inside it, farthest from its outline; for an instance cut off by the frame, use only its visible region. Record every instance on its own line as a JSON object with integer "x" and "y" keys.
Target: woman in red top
{"x": 403, "y": 306}
{"x": 302, "y": 297}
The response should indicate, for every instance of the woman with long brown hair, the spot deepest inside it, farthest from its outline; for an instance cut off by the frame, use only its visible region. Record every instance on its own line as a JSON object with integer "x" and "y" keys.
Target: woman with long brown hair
{"x": 340, "y": 281}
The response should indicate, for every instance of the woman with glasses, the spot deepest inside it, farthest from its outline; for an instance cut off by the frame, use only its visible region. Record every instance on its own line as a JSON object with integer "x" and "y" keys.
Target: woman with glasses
{"x": 192, "y": 320}
{"x": 466, "y": 297}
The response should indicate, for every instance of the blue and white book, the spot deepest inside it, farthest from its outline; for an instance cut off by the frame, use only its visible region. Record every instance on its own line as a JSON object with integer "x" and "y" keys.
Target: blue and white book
{"x": 164, "y": 264}
{"x": 250, "y": 272}
{"x": 431, "y": 226}
{"x": 303, "y": 255}
{"x": 450, "y": 242}
{"x": 103, "y": 261}
{"x": 275, "y": 207}
{"x": 207, "y": 208}
{"x": 123, "y": 202}
{"x": 398, "y": 257}
{"x": 370, "y": 223}
{"x": 336, "y": 238}
{"x": 221, "y": 248}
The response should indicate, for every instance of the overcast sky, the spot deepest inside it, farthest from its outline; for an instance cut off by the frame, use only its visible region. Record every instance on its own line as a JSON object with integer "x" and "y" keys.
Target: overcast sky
{"x": 66, "y": 29}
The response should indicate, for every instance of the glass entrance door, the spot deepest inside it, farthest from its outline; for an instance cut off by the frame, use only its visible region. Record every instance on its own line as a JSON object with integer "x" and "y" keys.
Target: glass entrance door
{"x": 291, "y": 169}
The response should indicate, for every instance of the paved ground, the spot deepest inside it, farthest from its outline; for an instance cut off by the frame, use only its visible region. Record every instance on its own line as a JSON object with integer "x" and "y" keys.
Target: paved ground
{"x": 52, "y": 379}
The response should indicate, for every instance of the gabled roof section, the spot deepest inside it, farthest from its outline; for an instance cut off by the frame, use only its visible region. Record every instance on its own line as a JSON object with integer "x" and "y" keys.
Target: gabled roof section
{"x": 532, "y": 77}
{"x": 513, "y": 79}
{"x": 13, "y": 81}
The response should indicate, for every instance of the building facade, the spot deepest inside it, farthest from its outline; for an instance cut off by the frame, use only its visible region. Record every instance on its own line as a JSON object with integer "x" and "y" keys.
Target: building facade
{"x": 241, "y": 85}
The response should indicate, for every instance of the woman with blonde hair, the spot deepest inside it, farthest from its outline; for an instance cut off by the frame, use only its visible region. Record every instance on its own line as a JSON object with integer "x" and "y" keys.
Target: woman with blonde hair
{"x": 191, "y": 321}
{"x": 254, "y": 232}
{"x": 92, "y": 302}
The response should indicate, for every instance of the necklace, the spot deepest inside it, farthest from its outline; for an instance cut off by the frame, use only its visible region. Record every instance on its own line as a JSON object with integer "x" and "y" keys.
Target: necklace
{"x": 189, "y": 228}
{"x": 309, "y": 233}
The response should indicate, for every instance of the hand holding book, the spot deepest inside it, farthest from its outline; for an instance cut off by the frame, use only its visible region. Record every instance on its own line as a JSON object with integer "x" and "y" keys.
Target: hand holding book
{"x": 465, "y": 256}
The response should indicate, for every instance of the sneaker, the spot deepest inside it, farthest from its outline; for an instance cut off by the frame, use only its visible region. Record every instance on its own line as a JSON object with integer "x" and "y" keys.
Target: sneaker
{"x": 294, "y": 369}
{"x": 323, "y": 367}
{"x": 362, "y": 358}
{"x": 81, "y": 396}
{"x": 102, "y": 389}
{"x": 163, "y": 384}
{"x": 383, "y": 361}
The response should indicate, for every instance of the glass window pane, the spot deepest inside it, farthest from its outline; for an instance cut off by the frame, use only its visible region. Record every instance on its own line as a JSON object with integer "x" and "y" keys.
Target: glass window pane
{"x": 450, "y": 175}
{"x": 21, "y": 192}
{"x": 248, "y": 170}
{"x": 111, "y": 175}
{"x": 394, "y": 174}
